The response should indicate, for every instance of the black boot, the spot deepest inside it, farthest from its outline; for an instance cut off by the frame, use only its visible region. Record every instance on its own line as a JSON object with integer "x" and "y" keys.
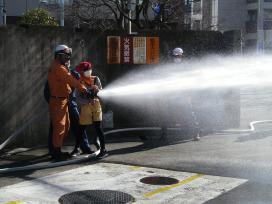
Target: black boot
{"x": 59, "y": 156}
{"x": 103, "y": 153}
{"x": 75, "y": 152}
{"x": 87, "y": 151}
{"x": 56, "y": 154}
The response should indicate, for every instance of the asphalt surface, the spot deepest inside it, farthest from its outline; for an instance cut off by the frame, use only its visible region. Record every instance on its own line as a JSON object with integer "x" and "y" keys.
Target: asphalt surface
{"x": 246, "y": 156}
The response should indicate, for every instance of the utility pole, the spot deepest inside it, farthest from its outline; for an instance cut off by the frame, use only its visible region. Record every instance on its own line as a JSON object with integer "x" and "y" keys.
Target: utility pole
{"x": 260, "y": 28}
{"x": 26, "y": 6}
{"x": 61, "y": 3}
{"x": 129, "y": 7}
{"x": 131, "y": 4}
{"x": 3, "y": 13}
{"x": 241, "y": 40}
{"x": 129, "y": 23}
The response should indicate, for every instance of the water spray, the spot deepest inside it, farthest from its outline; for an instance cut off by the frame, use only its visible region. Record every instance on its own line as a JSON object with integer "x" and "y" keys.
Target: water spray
{"x": 209, "y": 72}
{"x": 192, "y": 75}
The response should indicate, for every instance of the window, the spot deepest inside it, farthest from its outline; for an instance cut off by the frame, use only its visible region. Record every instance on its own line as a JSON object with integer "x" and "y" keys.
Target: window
{"x": 251, "y": 44}
{"x": 251, "y": 24}
{"x": 252, "y": 15}
{"x": 267, "y": 14}
{"x": 267, "y": 24}
{"x": 197, "y": 25}
{"x": 197, "y": 7}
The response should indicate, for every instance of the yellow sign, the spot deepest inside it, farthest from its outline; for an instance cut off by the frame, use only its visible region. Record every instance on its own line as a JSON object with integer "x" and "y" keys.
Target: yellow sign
{"x": 139, "y": 50}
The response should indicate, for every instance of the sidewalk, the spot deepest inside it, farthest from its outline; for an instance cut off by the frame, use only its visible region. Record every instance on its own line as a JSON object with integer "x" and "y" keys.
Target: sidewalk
{"x": 117, "y": 144}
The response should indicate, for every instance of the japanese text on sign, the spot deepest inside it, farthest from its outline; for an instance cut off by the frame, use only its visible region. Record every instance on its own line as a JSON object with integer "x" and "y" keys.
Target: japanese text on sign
{"x": 132, "y": 50}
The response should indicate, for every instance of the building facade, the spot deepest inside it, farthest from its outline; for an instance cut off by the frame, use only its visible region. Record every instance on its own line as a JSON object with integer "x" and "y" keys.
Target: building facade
{"x": 12, "y": 10}
{"x": 218, "y": 15}
{"x": 253, "y": 18}
{"x": 259, "y": 24}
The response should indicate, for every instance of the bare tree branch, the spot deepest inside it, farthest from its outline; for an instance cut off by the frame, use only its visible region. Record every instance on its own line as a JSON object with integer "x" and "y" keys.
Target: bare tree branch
{"x": 98, "y": 12}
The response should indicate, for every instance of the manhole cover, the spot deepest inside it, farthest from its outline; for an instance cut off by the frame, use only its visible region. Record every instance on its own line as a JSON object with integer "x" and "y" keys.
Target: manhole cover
{"x": 96, "y": 196}
{"x": 159, "y": 180}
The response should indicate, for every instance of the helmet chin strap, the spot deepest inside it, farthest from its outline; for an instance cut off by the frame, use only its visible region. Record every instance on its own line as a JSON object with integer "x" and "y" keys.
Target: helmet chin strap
{"x": 64, "y": 62}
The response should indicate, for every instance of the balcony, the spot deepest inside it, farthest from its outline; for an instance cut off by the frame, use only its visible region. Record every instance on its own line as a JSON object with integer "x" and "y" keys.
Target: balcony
{"x": 251, "y": 26}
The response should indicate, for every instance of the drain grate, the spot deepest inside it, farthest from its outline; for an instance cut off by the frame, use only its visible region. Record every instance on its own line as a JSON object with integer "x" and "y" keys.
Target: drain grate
{"x": 159, "y": 180}
{"x": 96, "y": 197}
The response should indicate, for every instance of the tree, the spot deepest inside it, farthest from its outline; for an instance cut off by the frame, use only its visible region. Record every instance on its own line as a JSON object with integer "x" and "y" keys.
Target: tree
{"x": 38, "y": 16}
{"x": 107, "y": 14}
{"x": 168, "y": 12}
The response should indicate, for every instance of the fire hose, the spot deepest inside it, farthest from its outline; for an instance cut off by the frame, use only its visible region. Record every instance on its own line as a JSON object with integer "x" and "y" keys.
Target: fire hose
{"x": 251, "y": 127}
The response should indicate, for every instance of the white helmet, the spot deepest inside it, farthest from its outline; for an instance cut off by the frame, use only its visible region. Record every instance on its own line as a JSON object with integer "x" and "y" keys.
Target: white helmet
{"x": 63, "y": 49}
{"x": 177, "y": 51}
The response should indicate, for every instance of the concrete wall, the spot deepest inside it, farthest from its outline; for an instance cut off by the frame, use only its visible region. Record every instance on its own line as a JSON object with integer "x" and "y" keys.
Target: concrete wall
{"x": 27, "y": 52}
{"x": 25, "y": 55}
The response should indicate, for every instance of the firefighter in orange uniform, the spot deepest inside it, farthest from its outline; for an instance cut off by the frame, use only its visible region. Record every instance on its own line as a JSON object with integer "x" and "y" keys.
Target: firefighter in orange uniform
{"x": 60, "y": 83}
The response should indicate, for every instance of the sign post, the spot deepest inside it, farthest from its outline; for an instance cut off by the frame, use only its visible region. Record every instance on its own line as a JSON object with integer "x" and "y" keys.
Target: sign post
{"x": 3, "y": 13}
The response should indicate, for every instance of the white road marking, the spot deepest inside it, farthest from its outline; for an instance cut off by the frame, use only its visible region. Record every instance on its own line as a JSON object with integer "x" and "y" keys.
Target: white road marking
{"x": 192, "y": 188}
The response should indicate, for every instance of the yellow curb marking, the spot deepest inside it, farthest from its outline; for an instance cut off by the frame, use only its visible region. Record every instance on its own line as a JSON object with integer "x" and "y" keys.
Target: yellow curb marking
{"x": 135, "y": 167}
{"x": 160, "y": 190}
{"x": 14, "y": 202}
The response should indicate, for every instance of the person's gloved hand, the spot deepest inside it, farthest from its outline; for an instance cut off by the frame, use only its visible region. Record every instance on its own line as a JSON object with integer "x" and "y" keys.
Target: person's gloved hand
{"x": 89, "y": 93}
{"x": 75, "y": 74}
{"x": 95, "y": 88}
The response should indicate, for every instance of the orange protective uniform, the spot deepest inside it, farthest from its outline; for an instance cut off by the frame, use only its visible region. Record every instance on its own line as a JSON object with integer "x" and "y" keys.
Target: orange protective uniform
{"x": 60, "y": 82}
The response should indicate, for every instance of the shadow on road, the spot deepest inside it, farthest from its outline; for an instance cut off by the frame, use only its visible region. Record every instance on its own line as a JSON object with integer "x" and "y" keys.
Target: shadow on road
{"x": 149, "y": 140}
{"x": 257, "y": 135}
{"x": 243, "y": 195}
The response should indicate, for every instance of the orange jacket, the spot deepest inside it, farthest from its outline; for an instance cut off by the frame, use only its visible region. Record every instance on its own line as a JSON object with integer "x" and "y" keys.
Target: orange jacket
{"x": 60, "y": 81}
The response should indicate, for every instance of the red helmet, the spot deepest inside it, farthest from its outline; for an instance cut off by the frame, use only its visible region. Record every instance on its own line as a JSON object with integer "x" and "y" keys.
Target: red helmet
{"x": 83, "y": 66}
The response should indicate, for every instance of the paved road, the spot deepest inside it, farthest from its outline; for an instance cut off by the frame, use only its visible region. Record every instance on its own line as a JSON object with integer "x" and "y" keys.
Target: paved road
{"x": 240, "y": 156}
{"x": 245, "y": 157}
{"x": 255, "y": 105}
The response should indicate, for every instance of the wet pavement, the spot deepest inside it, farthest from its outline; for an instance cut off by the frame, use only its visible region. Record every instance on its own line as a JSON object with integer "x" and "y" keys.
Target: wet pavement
{"x": 245, "y": 157}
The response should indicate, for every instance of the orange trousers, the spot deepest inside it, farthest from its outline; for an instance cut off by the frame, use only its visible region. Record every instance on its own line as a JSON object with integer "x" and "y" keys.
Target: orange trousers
{"x": 59, "y": 116}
